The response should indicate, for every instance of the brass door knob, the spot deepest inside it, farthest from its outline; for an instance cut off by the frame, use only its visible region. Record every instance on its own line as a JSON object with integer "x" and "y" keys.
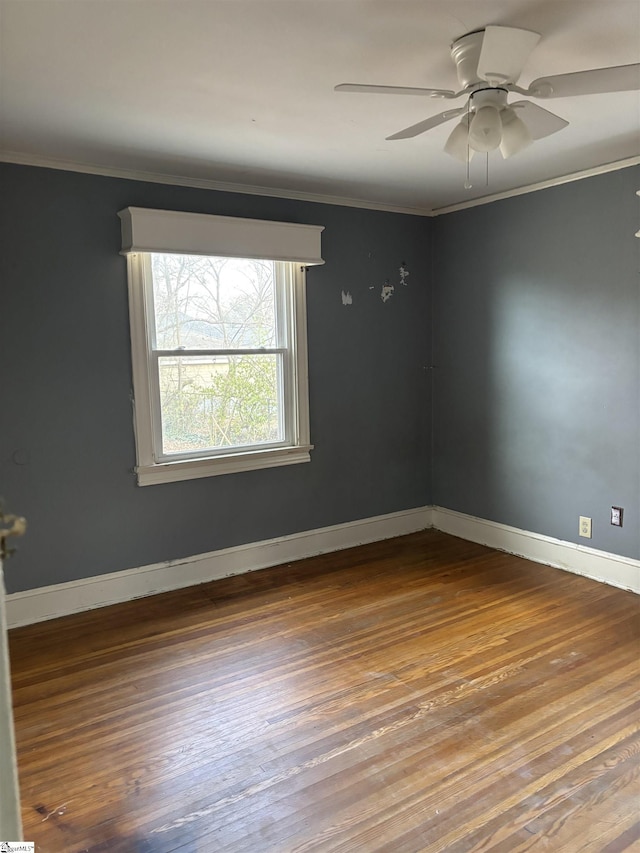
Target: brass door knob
{"x": 10, "y": 525}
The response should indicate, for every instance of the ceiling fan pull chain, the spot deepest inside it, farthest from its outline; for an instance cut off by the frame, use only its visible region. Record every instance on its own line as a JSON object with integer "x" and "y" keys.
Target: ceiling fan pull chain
{"x": 467, "y": 183}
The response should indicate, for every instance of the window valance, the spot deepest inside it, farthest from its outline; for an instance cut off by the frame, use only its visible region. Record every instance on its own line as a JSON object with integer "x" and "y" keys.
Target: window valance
{"x": 174, "y": 232}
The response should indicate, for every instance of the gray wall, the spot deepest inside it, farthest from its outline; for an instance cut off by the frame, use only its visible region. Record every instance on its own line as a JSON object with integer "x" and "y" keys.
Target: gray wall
{"x": 537, "y": 347}
{"x": 66, "y": 438}
{"x": 534, "y": 320}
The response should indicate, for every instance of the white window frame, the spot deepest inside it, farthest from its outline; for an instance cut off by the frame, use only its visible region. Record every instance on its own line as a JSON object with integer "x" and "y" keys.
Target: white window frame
{"x": 152, "y": 465}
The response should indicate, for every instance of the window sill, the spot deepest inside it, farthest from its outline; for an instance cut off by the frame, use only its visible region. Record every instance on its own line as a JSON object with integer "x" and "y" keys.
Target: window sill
{"x": 193, "y": 469}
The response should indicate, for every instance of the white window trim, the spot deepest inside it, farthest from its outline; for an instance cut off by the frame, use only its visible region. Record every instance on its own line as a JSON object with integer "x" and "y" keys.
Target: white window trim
{"x": 151, "y": 470}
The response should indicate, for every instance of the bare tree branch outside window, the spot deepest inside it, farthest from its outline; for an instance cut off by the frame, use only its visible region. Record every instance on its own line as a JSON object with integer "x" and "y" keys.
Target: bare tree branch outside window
{"x": 209, "y": 303}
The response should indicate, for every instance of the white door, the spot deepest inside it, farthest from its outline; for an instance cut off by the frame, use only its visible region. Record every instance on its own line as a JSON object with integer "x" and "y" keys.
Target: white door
{"x": 10, "y": 821}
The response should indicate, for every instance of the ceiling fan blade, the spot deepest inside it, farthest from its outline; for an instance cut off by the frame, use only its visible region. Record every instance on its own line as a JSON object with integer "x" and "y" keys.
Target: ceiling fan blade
{"x": 504, "y": 53}
{"x": 427, "y": 124}
{"x": 619, "y": 78}
{"x": 364, "y": 88}
{"x": 539, "y": 122}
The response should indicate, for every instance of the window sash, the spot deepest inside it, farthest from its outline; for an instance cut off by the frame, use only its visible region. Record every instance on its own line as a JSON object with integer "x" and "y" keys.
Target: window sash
{"x": 196, "y": 353}
{"x": 160, "y": 455}
{"x": 154, "y": 465}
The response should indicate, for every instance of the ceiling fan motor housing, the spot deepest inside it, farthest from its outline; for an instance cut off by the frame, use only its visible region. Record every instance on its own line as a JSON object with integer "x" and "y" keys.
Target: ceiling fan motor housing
{"x": 491, "y": 96}
{"x": 465, "y": 53}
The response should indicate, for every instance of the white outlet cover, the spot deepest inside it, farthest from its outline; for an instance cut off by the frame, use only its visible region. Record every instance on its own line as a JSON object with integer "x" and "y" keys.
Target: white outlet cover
{"x": 585, "y": 527}
{"x": 616, "y": 516}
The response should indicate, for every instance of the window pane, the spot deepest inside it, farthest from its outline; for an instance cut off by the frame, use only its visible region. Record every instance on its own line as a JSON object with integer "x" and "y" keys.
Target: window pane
{"x": 213, "y": 303}
{"x": 209, "y": 403}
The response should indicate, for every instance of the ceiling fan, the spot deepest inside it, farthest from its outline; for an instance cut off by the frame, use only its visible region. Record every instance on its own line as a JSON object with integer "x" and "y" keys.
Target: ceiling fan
{"x": 489, "y": 63}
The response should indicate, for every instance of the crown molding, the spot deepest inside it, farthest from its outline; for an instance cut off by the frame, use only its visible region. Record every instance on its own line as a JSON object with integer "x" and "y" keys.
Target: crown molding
{"x": 541, "y": 185}
{"x": 21, "y": 159}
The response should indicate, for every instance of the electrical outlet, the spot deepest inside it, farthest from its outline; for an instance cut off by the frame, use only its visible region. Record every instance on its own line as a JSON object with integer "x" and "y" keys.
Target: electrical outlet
{"x": 616, "y": 516}
{"x": 585, "y": 527}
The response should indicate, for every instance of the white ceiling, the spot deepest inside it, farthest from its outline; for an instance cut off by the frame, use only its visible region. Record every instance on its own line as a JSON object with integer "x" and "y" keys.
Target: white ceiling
{"x": 241, "y": 91}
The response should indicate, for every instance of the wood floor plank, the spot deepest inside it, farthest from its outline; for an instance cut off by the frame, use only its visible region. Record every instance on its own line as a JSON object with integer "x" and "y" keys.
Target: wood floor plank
{"x": 418, "y": 694}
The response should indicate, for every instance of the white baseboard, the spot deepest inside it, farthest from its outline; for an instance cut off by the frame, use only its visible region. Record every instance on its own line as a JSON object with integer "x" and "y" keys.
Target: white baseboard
{"x": 49, "y": 602}
{"x": 623, "y": 572}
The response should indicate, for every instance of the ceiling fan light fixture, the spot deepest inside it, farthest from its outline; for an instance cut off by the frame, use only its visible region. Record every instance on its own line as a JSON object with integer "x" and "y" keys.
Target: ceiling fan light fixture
{"x": 485, "y": 130}
{"x": 515, "y": 134}
{"x": 457, "y": 145}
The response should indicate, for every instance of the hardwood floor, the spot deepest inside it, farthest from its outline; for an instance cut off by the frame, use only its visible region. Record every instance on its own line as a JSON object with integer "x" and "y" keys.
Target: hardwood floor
{"x": 418, "y": 694}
